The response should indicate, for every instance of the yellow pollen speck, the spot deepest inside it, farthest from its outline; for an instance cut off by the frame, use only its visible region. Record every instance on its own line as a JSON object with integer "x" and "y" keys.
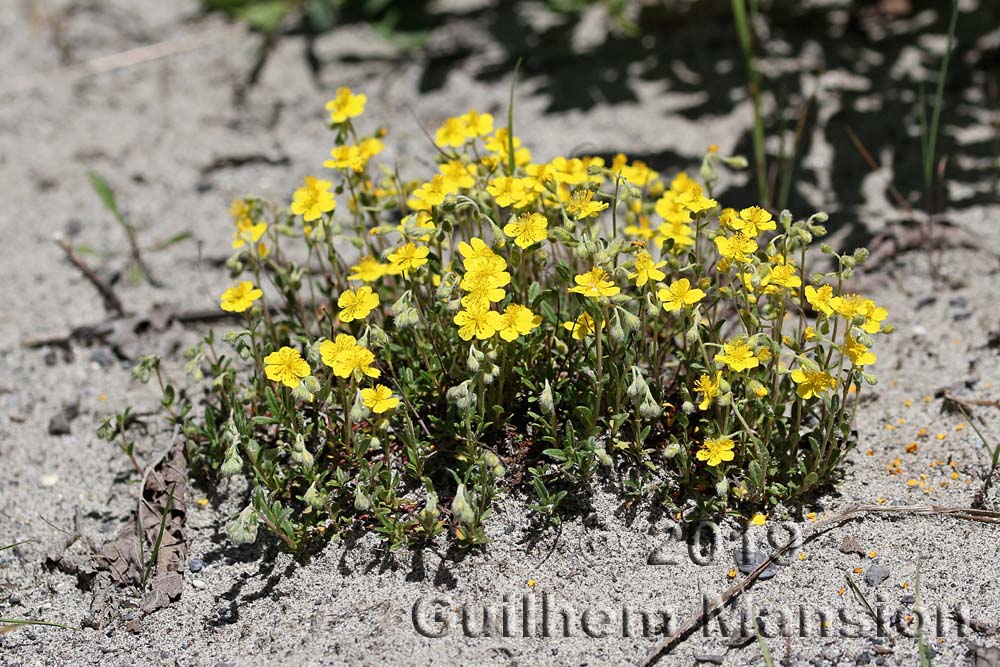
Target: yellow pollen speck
{"x": 202, "y": 502}
{"x": 842, "y": 590}
{"x": 906, "y": 585}
{"x": 940, "y": 436}
{"x": 960, "y": 427}
{"x": 912, "y": 448}
{"x": 531, "y": 583}
{"x": 732, "y": 573}
{"x": 872, "y": 554}
{"x": 858, "y": 570}
{"x": 907, "y": 402}
{"x": 912, "y": 482}
{"x": 802, "y": 556}
{"x": 870, "y": 452}
{"x": 900, "y": 421}
{"x": 927, "y": 399}
{"x": 889, "y": 427}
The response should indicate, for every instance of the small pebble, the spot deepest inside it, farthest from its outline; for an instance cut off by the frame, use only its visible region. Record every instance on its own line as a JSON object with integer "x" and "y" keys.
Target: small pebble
{"x": 196, "y": 565}
{"x": 198, "y": 584}
{"x": 747, "y": 562}
{"x": 876, "y": 574}
{"x": 46, "y": 481}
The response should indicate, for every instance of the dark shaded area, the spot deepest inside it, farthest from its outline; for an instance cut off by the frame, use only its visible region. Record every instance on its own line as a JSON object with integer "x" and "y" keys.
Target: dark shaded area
{"x": 877, "y": 47}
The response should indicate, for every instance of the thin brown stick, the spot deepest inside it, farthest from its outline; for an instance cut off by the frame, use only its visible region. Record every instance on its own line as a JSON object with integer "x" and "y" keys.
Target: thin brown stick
{"x": 867, "y": 157}
{"x": 111, "y": 301}
{"x": 853, "y": 512}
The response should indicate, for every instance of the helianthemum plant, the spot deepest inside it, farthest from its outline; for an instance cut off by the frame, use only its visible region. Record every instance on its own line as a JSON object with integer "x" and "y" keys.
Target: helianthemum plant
{"x": 504, "y": 321}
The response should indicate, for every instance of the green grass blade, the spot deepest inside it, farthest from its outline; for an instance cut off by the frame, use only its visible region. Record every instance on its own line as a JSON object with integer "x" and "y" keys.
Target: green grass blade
{"x": 743, "y": 33}
{"x": 932, "y": 131}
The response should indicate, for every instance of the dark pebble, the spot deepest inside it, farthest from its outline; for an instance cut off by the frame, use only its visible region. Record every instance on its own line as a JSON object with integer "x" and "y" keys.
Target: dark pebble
{"x": 709, "y": 657}
{"x": 876, "y": 574}
{"x": 747, "y": 562}
{"x": 103, "y": 357}
{"x": 908, "y": 599}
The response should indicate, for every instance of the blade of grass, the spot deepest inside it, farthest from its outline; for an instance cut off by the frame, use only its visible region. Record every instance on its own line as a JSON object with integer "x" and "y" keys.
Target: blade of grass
{"x": 922, "y": 651}
{"x": 868, "y": 607}
{"x": 511, "y": 161}
{"x": 753, "y": 84}
{"x": 11, "y": 546}
{"x": 159, "y": 539}
{"x": 932, "y": 130}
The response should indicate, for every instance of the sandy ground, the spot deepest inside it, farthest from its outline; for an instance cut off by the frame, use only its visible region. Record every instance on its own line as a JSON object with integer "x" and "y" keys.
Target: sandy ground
{"x": 158, "y": 131}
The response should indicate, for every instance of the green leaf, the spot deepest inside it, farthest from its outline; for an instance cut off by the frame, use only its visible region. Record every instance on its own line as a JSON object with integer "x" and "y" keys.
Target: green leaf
{"x": 264, "y": 16}
{"x": 105, "y": 192}
{"x": 557, "y": 454}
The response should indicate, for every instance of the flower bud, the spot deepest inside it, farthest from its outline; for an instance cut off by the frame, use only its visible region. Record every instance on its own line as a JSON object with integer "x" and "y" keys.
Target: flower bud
{"x": 461, "y": 508}
{"x": 233, "y": 463}
{"x": 602, "y": 456}
{"x": 545, "y": 401}
{"x": 671, "y": 450}
{"x": 243, "y": 529}
{"x": 314, "y": 498}
{"x": 361, "y": 501}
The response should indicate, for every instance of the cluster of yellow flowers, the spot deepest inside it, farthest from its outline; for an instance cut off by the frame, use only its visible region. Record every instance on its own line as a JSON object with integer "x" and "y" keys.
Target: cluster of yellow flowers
{"x": 601, "y": 262}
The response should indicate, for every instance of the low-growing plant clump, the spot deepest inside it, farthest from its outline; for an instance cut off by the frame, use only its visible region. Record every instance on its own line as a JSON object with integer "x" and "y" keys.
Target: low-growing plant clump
{"x": 412, "y": 348}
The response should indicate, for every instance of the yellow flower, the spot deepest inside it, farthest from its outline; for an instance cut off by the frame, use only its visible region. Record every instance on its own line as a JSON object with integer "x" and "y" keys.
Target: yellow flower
{"x": 247, "y": 232}
{"x": 671, "y": 210}
{"x": 583, "y": 326}
{"x": 582, "y": 206}
{"x": 457, "y": 175}
{"x": 858, "y": 353}
{"x": 873, "y": 316}
{"x": 783, "y": 275}
{"x": 848, "y": 306}
{"x": 716, "y": 450}
{"x": 820, "y": 298}
{"x": 432, "y": 193}
{"x": 646, "y": 269}
{"x": 328, "y": 349}
{"x": 451, "y": 133}
{"x": 286, "y": 366}
{"x": 539, "y": 175}
{"x": 346, "y": 105}
{"x": 691, "y": 197}
{"x": 313, "y": 199}
{"x": 595, "y": 283}
{"x": 239, "y": 298}
{"x": 679, "y": 294}
{"x": 728, "y": 217}
{"x": 346, "y": 157}
{"x": 406, "y": 257}
{"x": 758, "y": 519}
{"x": 736, "y": 248}
{"x": 569, "y": 171}
{"x": 812, "y": 382}
{"x": 241, "y": 210}
{"x": 367, "y": 270}
{"x": 477, "y": 320}
{"x": 355, "y": 361}
{"x": 356, "y": 305}
{"x": 484, "y": 286}
{"x": 475, "y": 124}
{"x": 379, "y": 399}
{"x": 680, "y": 233}
{"x": 527, "y": 229}
{"x": 517, "y": 321}
{"x": 708, "y": 389}
{"x": 738, "y": 356}
{"x": 752, "y": 221}
{"x": 508, "y": 191}
{"x": 475, "y": 253}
